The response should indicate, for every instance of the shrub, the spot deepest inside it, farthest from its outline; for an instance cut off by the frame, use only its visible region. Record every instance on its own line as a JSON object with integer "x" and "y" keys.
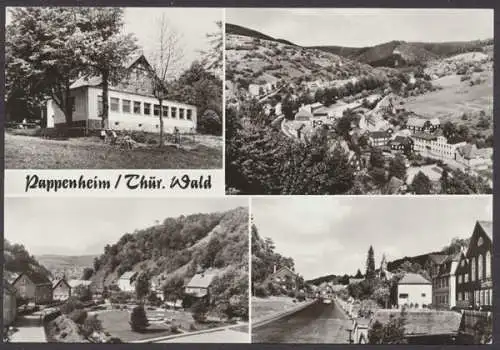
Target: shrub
{"x": 78, "y": 316}
{"x": 138, "y": 319}
{"x": 70, "y": 305}
{"x": 261, "y": 291}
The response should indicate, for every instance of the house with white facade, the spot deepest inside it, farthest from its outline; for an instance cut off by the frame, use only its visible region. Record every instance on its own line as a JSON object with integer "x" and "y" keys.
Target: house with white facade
{"x": 126, "y": 282}
{"x": 414, "y": 291}
{"x": 434, "y": 145}
{"x": 132, "y": 105}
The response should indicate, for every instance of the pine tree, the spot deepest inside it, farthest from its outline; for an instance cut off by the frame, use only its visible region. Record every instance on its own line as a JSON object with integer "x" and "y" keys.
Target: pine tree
{"x": 370, "y": 264}
{"x": 138, "y": 319}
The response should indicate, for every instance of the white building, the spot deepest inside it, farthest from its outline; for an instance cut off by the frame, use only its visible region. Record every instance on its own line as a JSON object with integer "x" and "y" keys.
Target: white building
{"x": 132, "y": 105}
{"x": 126, "y": 282}
{"x": 414, "y": 291}
{"x": 434, "y": 145}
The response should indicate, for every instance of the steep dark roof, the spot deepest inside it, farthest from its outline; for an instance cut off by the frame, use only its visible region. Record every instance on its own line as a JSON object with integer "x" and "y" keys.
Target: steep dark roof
{"x": 424, "y": 322}
{"x": 487, "y": 227}
{"x": 36, "y": 277}
{"x": 413, "y": 278}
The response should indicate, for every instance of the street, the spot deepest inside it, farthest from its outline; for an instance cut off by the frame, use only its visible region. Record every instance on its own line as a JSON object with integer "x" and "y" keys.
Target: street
{"x": 29, "y": 329}
{"x": 318, "y": 323}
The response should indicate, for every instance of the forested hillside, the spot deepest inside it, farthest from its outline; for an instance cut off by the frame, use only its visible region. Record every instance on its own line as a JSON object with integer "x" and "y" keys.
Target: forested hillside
{"x": 17, "y": 259}
{"x": 177, "y": 247}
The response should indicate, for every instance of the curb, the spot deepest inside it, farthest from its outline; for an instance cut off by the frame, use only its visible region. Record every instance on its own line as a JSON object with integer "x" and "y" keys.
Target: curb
{"x": 186, "y": 334}
{"x": 275, "y": 317}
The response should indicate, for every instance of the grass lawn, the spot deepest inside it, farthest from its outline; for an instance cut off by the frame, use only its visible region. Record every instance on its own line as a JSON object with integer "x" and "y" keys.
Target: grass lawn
{"x": 28, "y": 152}
{"x": 116, "y": 322}
{"x": 263, "y": 307}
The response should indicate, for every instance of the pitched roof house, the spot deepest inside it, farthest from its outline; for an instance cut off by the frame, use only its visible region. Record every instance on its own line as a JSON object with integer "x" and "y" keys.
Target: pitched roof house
{"x": 34, "y": 286}
{"x": 61, "y": 290}
{"x": 132, "y": 105}
{"x": 126, "y": 282}
{"x": 199, "y": 285}
{"x": 414, "y": 291}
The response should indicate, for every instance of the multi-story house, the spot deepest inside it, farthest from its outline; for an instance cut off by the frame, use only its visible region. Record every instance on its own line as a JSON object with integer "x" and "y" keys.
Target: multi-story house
{"x": 34, "y": 287}
{"x": 126, "y": 282}
{"x": 132, "y": 105}
{"x": 378, "y": 138}
{"x": 444, "y": 283}
{"x": 474, "y": 275}
{"x": 434, "y": 145}
{"x": 402, "y": 143}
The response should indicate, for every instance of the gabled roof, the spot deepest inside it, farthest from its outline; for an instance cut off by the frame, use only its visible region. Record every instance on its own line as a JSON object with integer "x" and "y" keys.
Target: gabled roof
{"x": 88, "y": 80}
{"x": 128, "y": 275}
{"x": 418, "y": 122}
{"x": 304, "y": 114}
{"x": 202, "y": 280}
{"x": 487, "y": 227}
{"x": 76, "y": 283}
{"x": 284, "y": 268}
{"x": 424, "y": 322}
{"x": 37, "y": 278}
{"x": 55, "y": 283}
{"x": 413, "y": 278}
{"x": 379, "y": 134}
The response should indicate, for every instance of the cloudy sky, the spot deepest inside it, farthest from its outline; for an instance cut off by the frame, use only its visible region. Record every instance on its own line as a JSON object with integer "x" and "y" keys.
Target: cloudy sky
{"x": 83, "y": 226}
{"x": 366, "y": 27}
{"x": 192, "y": 24}
{"x": 328, "y": 235}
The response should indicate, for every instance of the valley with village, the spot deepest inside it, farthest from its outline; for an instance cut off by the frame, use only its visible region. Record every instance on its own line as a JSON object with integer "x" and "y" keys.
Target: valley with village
{"x": 395, "y": 118}
{"x": 442, "y": 297}
{"x": 182, "y": 280}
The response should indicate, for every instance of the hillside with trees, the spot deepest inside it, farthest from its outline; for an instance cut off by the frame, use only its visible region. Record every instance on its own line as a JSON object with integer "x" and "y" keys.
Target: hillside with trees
{"x": 17, "y": 260}
{"x": 171, "y": 252}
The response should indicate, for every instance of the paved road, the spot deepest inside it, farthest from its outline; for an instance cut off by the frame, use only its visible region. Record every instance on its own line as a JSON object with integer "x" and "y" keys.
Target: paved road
{"x": 318, "y": 323}
{"x": 28, "y": 330}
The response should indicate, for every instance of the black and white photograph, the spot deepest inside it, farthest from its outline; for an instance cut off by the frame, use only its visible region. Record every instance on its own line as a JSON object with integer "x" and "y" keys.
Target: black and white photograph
{"x": 113, "y": 88}
{"x": 126, "y": 270}
{"x": 359, "y": 101}
{"x": 359, "y": 270}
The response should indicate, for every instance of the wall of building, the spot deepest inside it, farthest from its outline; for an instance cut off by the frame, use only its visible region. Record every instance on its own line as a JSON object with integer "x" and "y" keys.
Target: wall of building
{"x": 418, "y": 294}
{"x": 61, "y": 292}
{"x": 437, "y": 149}
{"x": 43, "y": 294}
{"x": 25, "y": 288}
{"x": 9, "y": 307}
{"x": 125, "y": 285}
{"x": 79, "y": 111}
{"x": 119, "y": 120}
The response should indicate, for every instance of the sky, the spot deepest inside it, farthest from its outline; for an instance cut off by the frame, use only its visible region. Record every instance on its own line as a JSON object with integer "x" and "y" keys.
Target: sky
{"x": 366, "y": 27}
{"x": 332, "y": 235}
{"x": 81, "y": 226}
{"x": 192, "y": 24}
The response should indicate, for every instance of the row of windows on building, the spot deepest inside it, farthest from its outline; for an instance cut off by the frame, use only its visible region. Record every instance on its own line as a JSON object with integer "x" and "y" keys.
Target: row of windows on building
{"x": 144, "y": 108}
{"x": 481, "y": 297}
{"x": 480, "y": 269}
{"x": 441, "y": 299}
{"x": 441, "y": 282}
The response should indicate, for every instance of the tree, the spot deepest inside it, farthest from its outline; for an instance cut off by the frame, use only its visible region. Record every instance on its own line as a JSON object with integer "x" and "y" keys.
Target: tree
{"x": 370, "y": 264}
{"x": 344, "y": 125}
{"x": 397, "y": 167}
{"x": 138, "y": 319}
{"x": 82, "y": 292}
{"x": 173, "y": 288}
{"x": 142, "y": 286}
{"x": 164, "y": 63}
{"x": 44, "y": 54}
{"x": 214, "y": 58}
{"x": 87, "y": 273}
{"x": 421, "y": 184}
{"x": 105, "y": 47}
{"x": 378, "y": 176}
{"x": 358, "y": 274}
{"x": 199, "y": 310}
{"x": 377, "y": 158}
{"x": 381, "y": 295}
